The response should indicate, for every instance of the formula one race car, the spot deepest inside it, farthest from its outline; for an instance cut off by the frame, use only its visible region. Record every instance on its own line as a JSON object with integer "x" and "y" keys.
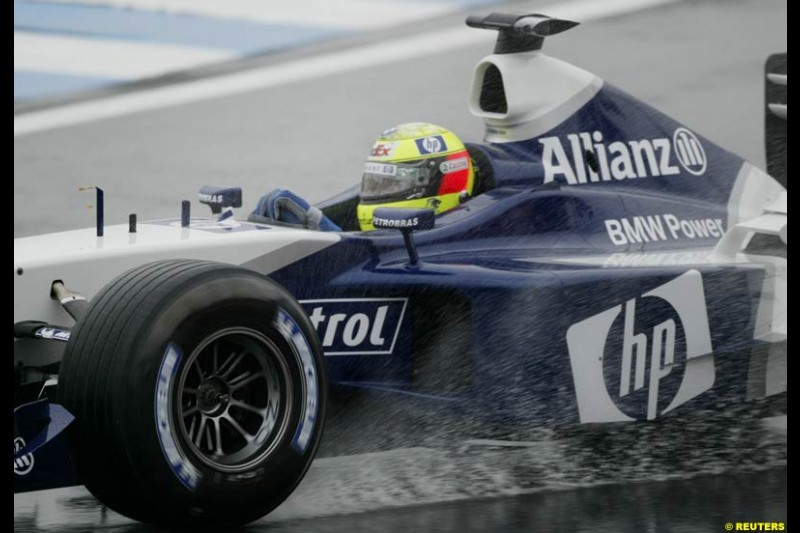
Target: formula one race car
{"x": 617, "y": 267}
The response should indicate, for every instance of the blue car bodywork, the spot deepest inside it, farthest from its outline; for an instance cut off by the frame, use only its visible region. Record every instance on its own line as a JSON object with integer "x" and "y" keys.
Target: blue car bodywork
{"x": 535, "y": 255}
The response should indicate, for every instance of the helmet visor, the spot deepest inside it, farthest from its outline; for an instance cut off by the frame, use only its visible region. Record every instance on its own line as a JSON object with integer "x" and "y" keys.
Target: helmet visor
{"x": 392, "y": 181}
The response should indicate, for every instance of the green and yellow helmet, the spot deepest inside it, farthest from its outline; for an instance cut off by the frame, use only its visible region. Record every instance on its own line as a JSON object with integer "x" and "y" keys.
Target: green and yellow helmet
{"x": 415, "y": 165}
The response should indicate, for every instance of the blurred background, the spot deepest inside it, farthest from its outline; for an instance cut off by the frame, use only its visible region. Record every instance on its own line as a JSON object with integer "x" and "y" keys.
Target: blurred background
{"x": 63, "y": 47}
{"x": 152, "y": 99}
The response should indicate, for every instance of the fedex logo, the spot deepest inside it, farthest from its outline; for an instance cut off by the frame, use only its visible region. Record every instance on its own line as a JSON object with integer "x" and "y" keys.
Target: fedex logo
{"x": 357, "y": 326}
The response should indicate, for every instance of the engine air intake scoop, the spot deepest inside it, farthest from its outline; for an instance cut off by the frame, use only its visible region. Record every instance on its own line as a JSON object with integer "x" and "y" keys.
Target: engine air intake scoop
{"x": 519, "y": 33}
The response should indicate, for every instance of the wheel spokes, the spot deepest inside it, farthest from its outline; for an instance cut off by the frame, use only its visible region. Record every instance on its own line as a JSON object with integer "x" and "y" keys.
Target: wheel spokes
{"x": 247, "y": 436}
{"x": 200, "y": 430}
{"x": 218, "y": 437}
{"x": 243, "y": 379}
{"x": 260, "y": 411}
{"x": 209, "y": 436}
{"x": 198, "y": 369}
{"x": 224, "y": 389}
{"x": 230, "y": 368}
{"x": 191, "y": 427}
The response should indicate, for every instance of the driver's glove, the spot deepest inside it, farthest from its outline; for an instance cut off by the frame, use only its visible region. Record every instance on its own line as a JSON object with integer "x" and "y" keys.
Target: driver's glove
{"x": 285, "y": 208}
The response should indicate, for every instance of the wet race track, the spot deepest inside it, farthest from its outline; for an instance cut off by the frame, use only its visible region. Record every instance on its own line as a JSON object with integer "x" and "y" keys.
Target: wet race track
{"x": 692, "y": 475}
{"x": 392, "y": 468}
{"x": 704, "y": 505}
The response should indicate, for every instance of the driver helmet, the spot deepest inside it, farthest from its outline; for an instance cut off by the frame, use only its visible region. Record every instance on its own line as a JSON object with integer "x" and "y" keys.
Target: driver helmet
{"x": 415, "y": 165}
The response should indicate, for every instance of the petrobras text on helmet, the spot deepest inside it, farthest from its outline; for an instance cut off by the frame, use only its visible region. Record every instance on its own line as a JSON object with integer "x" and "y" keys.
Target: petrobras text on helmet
{"x": 400, "y": 223}
{"x": 639, "y": 229}
{"x": 620, "y": 160}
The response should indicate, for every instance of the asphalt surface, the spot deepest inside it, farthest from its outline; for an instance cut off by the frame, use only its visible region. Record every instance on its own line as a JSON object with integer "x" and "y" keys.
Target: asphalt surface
{"x": 703, "y": 505}
{"x": 700, "y": 61}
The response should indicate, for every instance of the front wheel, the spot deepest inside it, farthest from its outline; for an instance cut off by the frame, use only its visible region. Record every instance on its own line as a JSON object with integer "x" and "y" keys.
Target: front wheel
{"x": 199, "y": 394}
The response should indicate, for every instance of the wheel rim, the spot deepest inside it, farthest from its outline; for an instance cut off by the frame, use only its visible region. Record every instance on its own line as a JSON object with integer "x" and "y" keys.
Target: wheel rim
{"x": 234, "y": 399}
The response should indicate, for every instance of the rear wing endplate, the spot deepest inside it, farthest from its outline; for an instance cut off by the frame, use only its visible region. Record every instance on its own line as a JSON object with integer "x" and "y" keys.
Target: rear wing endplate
{"x": 776, "y": 116}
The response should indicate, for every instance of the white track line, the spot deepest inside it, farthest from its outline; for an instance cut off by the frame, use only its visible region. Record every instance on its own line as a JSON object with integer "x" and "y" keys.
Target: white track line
{"x": 106, "y": 58}
{"x": 433, "y": 42}
{"x": 342, "y": 14}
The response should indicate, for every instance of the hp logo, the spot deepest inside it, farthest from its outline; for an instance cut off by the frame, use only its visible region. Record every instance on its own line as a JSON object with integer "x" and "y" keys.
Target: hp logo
{"x": 690, "y": 152}
{"x": 645, "y": 357}
{"x": 431, "y": 145}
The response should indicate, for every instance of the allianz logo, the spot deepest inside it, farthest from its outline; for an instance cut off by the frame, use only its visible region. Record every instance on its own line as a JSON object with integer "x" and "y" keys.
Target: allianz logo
{"x": 357, "y": 326}
{"x": 618, "y": 160}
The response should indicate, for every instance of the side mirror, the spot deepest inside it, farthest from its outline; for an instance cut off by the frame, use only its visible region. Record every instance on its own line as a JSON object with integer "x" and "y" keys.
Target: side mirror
{"x": 406, "y": 220}
{"x": 218, "y": 198}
